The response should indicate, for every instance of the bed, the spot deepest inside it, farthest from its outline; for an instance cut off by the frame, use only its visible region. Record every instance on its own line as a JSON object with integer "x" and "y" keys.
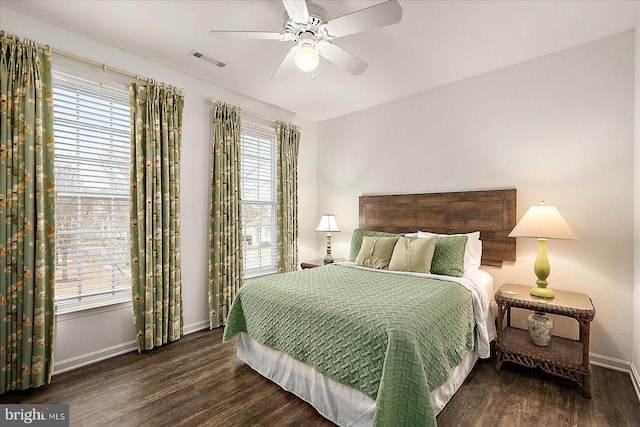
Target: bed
{"x": 369, "y": 346}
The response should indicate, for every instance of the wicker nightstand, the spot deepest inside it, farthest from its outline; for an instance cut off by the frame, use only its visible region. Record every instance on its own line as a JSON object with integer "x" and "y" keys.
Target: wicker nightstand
{"x": 563, "y": 357}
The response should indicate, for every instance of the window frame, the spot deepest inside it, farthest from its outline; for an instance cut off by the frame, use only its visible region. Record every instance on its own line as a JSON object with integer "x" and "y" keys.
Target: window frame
{"x": 116, "y": 91}
{"x": 260, "y": 134}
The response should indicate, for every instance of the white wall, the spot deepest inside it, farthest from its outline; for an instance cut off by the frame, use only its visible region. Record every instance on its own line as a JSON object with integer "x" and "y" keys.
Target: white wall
{"x": 558, "y": 128}
{"x": 86, "y": 336}
{"x": 635, "y": 360}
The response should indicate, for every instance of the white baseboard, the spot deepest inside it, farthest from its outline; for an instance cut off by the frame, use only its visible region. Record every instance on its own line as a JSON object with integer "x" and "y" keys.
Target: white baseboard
{"x": 618, "y": 365}
{"x": 93, "y": 357}
{"x": 610, "y": 362}
{"x": 195, "y": 327}
{"x": 635, "y": 379}
{"x": 116, "y": 350}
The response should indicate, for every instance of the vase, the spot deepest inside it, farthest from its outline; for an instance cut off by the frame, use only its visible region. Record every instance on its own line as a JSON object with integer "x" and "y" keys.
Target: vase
{"x": 540, "y": 328}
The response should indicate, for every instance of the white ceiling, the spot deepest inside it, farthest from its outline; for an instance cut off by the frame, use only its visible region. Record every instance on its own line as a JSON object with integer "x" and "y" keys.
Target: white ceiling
{"x": 437, "y": 42}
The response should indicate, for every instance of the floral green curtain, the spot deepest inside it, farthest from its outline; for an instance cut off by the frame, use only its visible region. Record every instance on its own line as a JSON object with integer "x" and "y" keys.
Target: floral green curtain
{"x": 226, "y": 272}
{"x": 288, "y": 139}
{"x": 156, "y": 132}
{"x": 27, "y": 216}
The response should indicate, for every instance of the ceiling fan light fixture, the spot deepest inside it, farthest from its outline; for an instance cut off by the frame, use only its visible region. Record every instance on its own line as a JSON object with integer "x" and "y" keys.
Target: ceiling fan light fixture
{"x": 309, "y": 26}
{"x": 307, "y": 58}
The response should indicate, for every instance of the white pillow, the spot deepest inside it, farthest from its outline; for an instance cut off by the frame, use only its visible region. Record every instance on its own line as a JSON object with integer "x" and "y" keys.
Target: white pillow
{"x": 472, "y": 251}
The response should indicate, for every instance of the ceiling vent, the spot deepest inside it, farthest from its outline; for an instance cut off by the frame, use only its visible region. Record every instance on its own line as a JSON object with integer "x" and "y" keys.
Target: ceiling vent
{"x": 200, "y": 55}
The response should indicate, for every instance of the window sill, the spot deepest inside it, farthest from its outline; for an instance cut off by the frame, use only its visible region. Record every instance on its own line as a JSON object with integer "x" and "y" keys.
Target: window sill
{"x": 257, "y": 275}
{"x": 93, "y": 304}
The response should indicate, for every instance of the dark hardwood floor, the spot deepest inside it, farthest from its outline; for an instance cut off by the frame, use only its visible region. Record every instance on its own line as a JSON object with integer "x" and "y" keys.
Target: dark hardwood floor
{"x": 198, "y": 381}
{"x": 519, "y": 396}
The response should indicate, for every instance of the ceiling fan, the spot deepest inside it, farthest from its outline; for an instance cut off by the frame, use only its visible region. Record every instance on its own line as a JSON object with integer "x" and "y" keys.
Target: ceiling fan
{"x": 308, "y": 25}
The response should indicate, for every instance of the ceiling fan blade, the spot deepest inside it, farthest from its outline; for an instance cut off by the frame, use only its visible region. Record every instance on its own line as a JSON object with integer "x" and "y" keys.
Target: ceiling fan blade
{"x": 297, "y": 10}
{"x": 287, "y": 65}
{"x": 341, "y": 57}
{"x": 252, "y": 35}
{"x": 379, "y": 15}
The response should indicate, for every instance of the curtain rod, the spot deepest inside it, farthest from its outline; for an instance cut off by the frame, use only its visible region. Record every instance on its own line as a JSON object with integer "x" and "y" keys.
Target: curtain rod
{"x": 260, "y": 116}
{"x": 103, "y": 66}
{"x": 77, "y": 58}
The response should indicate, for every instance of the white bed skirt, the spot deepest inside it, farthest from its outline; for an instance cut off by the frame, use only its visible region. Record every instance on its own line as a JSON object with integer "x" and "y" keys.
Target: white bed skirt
{"x": 335, "y": 401}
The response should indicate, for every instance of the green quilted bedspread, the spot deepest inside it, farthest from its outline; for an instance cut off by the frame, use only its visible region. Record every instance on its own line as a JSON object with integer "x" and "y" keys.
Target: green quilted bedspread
{"x": 393, "y": 337}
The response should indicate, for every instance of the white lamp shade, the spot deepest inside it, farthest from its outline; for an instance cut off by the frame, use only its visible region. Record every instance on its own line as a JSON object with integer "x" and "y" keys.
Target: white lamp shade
{"x": 327, "y": 223}
{"x": 307, "y": 58}
{"x": 543, "y": 222}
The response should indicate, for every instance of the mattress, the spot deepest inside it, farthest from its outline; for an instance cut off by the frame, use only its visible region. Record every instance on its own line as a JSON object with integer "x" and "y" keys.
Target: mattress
{"x": 347, "y": 406}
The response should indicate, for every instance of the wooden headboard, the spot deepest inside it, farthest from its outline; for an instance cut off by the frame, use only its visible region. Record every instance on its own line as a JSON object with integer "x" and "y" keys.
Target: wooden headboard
{"x": 492, "y": 212}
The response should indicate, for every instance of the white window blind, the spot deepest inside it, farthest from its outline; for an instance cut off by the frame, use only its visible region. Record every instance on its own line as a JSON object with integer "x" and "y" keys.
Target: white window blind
{"x": 92, "y": 160}
{"x": 258, "y": 175}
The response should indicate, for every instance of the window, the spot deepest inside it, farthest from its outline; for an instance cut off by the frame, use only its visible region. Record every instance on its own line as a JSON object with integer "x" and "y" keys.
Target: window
{"x": 92, "y": 151}
{"x": 258, "y": 175}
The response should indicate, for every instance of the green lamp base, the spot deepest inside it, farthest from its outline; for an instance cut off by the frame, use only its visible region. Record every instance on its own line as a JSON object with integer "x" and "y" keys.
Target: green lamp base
{"x": 539, "y": 292}
{"x": 542, "y": 270}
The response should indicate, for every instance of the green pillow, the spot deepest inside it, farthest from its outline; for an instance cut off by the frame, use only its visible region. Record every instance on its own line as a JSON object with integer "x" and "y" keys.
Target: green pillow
{"x": 413, "y": 254}
{"x": 376, "y": 252}
{"x": 448, "y": 257}
{"x": 356, "y": 240}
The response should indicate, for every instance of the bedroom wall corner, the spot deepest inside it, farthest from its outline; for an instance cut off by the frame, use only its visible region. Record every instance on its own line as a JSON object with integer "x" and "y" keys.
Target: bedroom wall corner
{"x": 635, "y": 358}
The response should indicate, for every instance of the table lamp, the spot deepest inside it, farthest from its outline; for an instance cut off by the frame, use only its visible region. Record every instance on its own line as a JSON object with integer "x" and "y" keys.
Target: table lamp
{"x": 328, "y": 224}
{"x": 543, "y": 222}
